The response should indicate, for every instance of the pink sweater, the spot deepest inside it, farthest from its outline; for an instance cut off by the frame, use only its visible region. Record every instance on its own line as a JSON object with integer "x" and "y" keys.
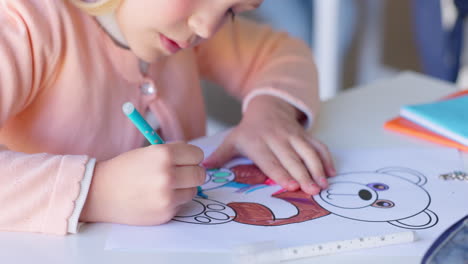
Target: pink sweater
{"x": 63, "y": 81}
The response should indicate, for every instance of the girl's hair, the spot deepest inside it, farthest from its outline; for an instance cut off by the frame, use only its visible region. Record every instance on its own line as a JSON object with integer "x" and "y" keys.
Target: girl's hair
{"x": 96, "y": 7}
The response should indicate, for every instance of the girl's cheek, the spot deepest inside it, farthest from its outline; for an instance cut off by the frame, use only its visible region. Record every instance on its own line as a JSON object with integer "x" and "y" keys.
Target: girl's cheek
{"x": 176, "y": 9}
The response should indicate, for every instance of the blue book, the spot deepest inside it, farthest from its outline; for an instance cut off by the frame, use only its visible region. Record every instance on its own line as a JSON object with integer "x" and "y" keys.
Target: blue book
{"x": 448, "y": 118}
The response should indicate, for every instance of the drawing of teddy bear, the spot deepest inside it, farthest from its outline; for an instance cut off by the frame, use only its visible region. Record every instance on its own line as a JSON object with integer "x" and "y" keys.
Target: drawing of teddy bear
{"x": 375, "y": 196}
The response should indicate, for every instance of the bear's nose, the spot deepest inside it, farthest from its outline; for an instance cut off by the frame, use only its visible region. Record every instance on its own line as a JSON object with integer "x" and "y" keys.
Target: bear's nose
{"x": 365, "y": 195}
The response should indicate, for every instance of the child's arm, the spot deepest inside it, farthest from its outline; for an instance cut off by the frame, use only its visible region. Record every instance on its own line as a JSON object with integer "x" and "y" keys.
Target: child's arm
{"x": 249, "y": 59}
{"x": 38, "y": 191}
{"x": 275, "y": 77}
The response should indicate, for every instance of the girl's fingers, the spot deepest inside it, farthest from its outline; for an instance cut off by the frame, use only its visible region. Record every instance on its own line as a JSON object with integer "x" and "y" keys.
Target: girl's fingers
{"x": 324, "y": 154}
{"x": 178, "y": 153}
{"x": 269, "y": 164}
{"x": 182, "y": 196}
{"x": 189, "y": 177}
{"x": 312, "y": 161}
{"x": 294, "y": 163}
{"x": 221, "y": 155}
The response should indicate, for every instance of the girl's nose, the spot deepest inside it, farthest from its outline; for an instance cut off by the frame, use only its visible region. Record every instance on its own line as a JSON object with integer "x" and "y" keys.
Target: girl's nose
{"x": 204, "y": 27}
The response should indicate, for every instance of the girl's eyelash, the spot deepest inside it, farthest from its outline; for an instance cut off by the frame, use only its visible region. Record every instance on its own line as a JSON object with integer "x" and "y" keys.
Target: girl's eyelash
{"x": 231, "y": 13}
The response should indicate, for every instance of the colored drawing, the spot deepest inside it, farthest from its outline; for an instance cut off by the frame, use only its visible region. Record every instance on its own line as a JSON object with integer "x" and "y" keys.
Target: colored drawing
{"x": 391, "y": 195}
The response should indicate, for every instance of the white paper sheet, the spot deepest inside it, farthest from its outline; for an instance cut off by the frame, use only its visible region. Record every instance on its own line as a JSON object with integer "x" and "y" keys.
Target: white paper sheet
{"x": 377, "y": 191}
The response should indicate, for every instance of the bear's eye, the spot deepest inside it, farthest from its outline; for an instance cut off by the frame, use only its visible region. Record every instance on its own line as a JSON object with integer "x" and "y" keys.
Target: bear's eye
{"x": 376, "y": 186}
{"x": 383, "y": 204}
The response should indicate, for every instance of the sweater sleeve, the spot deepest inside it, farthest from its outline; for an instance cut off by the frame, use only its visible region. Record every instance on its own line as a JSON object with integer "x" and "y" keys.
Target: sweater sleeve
{"x": 37, "y": 191}
{"x": 250, "y": 59}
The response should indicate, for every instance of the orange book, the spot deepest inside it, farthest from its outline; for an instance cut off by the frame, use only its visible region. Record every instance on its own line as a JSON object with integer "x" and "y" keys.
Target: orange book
{"x": 405, "y": 126}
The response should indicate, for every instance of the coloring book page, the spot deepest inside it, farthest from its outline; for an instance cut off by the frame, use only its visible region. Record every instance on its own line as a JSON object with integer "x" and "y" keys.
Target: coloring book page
{"x": 376, "y": 192}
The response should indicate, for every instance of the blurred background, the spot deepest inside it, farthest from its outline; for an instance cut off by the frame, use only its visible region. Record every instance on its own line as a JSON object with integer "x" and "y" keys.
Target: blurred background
{"x": 359, "y": 41}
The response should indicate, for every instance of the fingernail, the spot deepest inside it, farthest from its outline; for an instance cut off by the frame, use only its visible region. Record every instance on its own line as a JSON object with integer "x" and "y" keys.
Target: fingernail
{"x": 323, "y": 183}
{"x": 314, "y": 189}
{"x": 270, "y": 182}
{"x": 293, "y": 184}
{"x": 206, "y": 164}
{"x": 332, "y": 172}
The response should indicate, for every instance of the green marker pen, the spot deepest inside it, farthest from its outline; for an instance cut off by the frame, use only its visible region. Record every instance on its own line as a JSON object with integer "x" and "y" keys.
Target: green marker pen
{"x": 132, "y": 113}
{"x": 141, "y": 124}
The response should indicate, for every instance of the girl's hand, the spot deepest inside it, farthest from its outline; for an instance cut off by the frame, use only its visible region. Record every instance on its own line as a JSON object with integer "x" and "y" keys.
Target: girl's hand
{"x": 145, "y": 186}
{"x": 270, "y": 135}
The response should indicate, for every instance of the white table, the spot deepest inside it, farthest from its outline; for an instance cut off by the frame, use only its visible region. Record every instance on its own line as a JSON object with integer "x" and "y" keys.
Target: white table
{"x": 360, "y": 113}
{"x": 357, "y": 114}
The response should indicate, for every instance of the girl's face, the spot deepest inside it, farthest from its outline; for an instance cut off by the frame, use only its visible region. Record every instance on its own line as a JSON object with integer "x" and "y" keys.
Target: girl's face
{"x": 158, "y": 28}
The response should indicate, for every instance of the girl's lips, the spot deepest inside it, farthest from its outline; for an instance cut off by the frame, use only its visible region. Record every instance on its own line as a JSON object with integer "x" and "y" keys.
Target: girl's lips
{"x": 169, "y": 44}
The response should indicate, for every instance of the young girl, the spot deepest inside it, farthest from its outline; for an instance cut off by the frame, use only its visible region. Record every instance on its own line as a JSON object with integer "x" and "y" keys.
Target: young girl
{"x": 68, "y": 153}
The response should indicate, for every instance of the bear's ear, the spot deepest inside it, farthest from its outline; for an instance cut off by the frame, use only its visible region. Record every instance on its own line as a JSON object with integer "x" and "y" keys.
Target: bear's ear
{"x": 423, "y": 220}
{"x": 408, "y": 174}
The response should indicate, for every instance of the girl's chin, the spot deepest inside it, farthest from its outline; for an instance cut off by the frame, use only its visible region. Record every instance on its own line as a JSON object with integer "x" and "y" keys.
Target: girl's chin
{"x": 151, "y": 57}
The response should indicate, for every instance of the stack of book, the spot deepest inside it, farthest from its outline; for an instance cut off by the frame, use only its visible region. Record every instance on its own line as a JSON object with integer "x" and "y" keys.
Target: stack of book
{"x": 444, "y": 122}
